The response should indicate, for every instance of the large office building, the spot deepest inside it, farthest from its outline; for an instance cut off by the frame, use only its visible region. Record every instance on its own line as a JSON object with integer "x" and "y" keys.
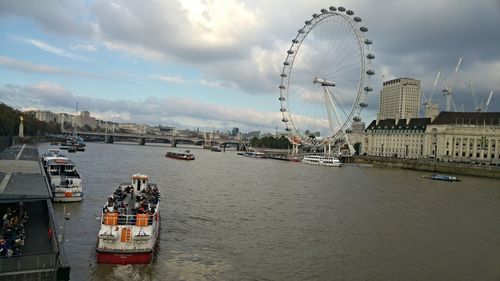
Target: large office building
{"x": 399, "y": 99}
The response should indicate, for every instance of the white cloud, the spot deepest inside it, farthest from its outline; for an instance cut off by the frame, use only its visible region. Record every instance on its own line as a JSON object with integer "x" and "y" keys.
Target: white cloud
{"x": 28, "y": 67}
{"x": 243, "y": 43}
{"x": 51, "y": 49}
{"x": 150, "y": 110}
{"x": 85, "y": 47}
{"x": 171, "y": 79}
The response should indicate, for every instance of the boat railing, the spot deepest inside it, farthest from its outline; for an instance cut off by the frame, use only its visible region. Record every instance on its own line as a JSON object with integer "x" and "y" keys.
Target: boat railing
{"x": 28, "y": 262}
{"x": 114, "y": 218}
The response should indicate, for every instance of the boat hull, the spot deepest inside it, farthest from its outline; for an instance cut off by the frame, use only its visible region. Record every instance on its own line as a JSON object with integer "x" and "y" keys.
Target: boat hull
{"x": 116, "y": 257}
{"x": 67, "y": 199}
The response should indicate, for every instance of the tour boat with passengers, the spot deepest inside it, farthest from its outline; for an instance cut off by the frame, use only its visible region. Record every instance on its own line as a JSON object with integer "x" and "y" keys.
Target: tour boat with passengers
{"x": 130, "y": 223}
{"x": 180, "y": 155}
{"x": 322, "y": 160}
{"x": 65, "y": 182}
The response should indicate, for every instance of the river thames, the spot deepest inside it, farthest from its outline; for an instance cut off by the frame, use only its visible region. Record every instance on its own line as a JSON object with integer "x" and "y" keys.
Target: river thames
{"x": 228, "y": 217}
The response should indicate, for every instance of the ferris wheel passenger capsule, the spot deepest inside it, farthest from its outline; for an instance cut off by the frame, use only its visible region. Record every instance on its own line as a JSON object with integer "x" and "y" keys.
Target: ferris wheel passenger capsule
{"x": 324, "y": 11}
{"x": 341, "y": 9}
{"x": 282, "y": 87}
{"x": 370, "y": 56}
{"x": 368, "y": 42}
{"x": 283, "y": 109}
{"x": 357, "y": 19}
{"x": 363, "y": 29}
{"x": 368, "y": 89}
{"x": 363, "y": 104}
{"x": 332, "y": 8}
{"x": 349, "y": 12}
{"x": 281, "y": 98}
{"x": 370, "y": 72}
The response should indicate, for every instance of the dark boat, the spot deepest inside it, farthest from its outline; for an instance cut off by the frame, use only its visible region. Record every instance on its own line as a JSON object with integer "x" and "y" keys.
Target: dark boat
{"x": 441, "y": 178}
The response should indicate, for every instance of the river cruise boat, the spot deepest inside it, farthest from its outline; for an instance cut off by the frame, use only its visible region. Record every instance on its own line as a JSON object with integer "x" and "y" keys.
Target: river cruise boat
{"x": 180, "y": 155}
{"x": 130, "y": 223}
{"x": 442, "y": 178}
{"x": 322, "y": 160}
{"x": 65, "y": 182}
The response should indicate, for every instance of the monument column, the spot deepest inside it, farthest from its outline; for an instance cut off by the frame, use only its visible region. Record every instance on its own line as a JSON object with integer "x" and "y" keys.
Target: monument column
{"x": 21, "y": 127}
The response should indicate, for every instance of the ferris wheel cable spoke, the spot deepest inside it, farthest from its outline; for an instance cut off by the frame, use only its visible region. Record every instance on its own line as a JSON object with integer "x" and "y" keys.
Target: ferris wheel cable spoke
{"x": 341, "y": 108}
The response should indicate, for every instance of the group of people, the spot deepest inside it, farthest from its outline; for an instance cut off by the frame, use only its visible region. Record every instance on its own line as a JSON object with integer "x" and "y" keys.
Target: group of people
{"x": 144, "y": 201}
{"x": 12, "y": 230}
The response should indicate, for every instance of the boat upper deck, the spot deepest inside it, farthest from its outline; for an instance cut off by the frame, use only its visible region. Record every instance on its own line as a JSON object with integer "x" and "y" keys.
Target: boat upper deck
{"x": 126, "y": 204}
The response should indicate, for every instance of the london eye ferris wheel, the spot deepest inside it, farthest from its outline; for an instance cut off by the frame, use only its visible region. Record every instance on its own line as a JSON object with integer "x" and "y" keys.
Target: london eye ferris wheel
{"x": 325, "y": 79}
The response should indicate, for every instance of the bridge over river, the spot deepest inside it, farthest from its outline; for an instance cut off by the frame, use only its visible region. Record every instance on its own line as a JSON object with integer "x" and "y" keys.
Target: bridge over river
{"x": 208, "y": 140}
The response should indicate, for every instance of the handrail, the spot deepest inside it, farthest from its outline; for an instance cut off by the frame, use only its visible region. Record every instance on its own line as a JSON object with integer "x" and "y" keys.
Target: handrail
{"x": 28, "y": 262}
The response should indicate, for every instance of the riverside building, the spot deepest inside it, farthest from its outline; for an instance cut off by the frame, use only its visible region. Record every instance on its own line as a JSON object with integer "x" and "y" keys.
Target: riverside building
{"x": 467, "y": 137}
{"x": 402, "y": 138}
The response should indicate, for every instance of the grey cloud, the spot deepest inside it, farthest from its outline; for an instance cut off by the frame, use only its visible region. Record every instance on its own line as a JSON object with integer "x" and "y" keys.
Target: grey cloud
{"x": 150, "y": 110}
{"x": 63, "y": 17}
{"x": 27, "y": 67}
{"x": 415, "y": 39}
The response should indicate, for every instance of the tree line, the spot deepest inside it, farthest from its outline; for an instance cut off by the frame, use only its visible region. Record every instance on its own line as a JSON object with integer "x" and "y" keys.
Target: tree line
{"x": 9, "y": 123}
{"x": 271, "y": 142}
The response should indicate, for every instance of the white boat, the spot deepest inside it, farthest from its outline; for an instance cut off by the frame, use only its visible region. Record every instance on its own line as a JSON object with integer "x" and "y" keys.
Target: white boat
{"x": 323, "y": 160}
{"x": 254, "y": 154}
{"x": 65, "y": 182}
{"x": 130, "y": 223}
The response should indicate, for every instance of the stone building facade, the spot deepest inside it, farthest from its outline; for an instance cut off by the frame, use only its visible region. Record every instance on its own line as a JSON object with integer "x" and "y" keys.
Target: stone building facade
{"x": 401, "y": 138}
{"x": 467, "y": 137}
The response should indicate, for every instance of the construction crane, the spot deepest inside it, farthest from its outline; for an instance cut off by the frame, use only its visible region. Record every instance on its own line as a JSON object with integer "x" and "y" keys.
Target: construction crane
{"x": 447, "y": 91}
{"x": 488, "y": 102}
{"x": 478, "y": 106}
{"x": 429, "y": 105}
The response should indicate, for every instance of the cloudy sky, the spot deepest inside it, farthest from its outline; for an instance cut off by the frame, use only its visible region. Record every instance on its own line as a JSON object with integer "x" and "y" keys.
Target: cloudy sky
{"x": 216, "y": 63}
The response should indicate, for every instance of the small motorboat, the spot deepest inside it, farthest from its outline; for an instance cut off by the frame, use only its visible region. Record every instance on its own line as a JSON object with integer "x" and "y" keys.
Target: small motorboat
{"x": 441, "y": 178}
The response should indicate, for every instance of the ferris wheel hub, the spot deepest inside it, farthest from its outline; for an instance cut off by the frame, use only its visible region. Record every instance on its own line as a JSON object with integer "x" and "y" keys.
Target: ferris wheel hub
{"x": 323, "y": 82}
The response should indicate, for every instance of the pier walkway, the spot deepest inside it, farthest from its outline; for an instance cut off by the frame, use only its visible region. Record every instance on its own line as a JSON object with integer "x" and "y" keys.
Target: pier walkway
{"x": 23, "y": 186}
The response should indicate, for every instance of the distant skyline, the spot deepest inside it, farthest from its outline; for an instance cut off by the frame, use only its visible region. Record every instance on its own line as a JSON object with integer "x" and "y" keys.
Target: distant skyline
{"x": 216, "y": 64}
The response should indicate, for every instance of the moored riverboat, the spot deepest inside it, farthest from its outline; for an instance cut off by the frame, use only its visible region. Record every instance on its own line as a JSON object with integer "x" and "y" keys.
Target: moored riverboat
{"x": 65, "y": 182}
{"x": 254, "y": 154}
{"x": 322, "y": 160}
{"x": 180, "y": 155}
{"x": 130, "y": 222}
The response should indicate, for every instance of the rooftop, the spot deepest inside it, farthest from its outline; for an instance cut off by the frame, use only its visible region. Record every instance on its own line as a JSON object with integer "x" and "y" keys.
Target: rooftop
{"x": 468, "y": 118}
